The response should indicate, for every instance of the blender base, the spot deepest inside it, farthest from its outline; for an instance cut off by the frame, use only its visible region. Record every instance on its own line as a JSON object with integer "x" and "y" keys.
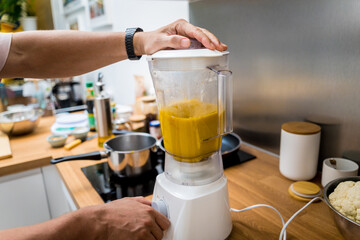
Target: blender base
{"x": 195, "y": 212}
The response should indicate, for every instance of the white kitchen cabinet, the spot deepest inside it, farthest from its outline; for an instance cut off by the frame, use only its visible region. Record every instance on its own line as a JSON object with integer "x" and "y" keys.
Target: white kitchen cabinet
{"x": 59, "y": 199}
{"x": 23, "y": 199}
{"x": 32, "y": 197}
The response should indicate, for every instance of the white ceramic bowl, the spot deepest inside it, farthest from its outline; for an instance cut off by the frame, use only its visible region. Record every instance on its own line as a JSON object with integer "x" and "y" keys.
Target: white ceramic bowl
{"x": 57, "y": 140}
{"x": 80, "y": 132}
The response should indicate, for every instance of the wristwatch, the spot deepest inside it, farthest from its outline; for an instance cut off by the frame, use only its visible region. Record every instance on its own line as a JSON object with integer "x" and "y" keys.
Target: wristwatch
{"x": 129, "y": 42}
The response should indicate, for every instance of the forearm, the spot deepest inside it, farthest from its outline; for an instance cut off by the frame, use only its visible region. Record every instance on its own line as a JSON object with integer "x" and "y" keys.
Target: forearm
{"x": 76, "y": 225}
{"x": 49, "y": 54}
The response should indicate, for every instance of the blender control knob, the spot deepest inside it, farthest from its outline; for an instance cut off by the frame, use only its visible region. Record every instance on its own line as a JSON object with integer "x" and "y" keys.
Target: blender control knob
{"x": 161, "y": 207}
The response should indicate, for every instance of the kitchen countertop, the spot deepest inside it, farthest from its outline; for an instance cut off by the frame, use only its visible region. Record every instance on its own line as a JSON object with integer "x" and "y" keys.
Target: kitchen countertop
{"x": 253, "y": 182}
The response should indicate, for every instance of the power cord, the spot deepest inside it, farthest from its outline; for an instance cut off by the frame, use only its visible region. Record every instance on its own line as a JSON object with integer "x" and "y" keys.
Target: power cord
{"x": 282, "y": 235}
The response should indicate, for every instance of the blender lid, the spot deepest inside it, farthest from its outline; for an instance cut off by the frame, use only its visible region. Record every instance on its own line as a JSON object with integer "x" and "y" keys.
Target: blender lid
{"x": 186, "y": 53}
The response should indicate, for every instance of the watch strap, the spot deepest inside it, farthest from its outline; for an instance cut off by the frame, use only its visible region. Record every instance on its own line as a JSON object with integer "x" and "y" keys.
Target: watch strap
{"x": 129, "y": 42}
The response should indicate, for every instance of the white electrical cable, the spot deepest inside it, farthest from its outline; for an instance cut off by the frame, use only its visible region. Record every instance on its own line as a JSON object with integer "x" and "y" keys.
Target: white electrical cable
{"x": 282, "y": 235}
{"x": 261, "y": 205}
{"x": 283, "y": 231}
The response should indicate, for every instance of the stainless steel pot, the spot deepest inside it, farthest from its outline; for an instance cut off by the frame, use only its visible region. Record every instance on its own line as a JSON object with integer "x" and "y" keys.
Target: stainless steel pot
{"x": 128, "y": 154}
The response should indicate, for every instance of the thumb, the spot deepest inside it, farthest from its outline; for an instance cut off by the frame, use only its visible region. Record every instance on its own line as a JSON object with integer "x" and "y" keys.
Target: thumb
{"x": 176, "y": 42}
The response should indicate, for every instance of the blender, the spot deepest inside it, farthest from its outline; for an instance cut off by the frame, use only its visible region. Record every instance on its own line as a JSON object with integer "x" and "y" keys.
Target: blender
{"x": 194, "y": 96}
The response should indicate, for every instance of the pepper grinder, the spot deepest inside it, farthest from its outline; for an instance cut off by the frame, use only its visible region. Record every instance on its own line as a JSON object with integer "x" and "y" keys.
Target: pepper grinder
{"x": 103, "y": 113}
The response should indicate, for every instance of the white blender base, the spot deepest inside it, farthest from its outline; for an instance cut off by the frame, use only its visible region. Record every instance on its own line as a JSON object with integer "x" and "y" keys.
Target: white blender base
{"x": 195, "y": 212}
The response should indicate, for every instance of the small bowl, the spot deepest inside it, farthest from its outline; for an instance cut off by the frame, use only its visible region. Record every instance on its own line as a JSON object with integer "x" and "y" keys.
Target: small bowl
{"x": 347, "y": 227}
{"x": 80, "y": 132}
{"x": 57, "y": 141}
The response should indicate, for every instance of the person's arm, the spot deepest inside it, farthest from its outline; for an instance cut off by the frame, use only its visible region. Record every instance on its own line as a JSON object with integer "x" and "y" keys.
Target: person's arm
{"x": 127, "y": 218}
{"x": 47, "y": 54}
{"x": 65, "y": 53}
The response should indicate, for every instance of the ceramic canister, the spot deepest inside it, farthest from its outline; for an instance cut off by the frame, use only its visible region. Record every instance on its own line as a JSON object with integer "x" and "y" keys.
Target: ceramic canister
{"x": 299, "y": 150}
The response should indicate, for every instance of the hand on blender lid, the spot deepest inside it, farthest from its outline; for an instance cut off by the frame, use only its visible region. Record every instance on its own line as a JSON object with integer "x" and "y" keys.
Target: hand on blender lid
{"x": 177, "y": 35}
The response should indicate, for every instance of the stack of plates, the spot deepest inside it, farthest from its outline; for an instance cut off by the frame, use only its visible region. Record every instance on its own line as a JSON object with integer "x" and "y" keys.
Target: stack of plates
{"x": 66, "y": 122}
{"x": 304, "y": 191}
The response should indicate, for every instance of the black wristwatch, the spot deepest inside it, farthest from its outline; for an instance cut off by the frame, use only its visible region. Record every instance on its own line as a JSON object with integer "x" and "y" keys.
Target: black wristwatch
{"x": 129, "y": 42}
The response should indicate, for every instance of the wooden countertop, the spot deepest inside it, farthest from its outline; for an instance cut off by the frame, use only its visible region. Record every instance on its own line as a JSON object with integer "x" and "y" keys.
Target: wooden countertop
{"x": 249, "y": 183}
{"x": 33, "y": 151}
{"x": 29, "y": 151}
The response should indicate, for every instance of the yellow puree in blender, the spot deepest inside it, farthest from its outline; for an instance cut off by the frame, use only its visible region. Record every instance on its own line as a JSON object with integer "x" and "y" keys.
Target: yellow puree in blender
{"x": 185, "y": 127}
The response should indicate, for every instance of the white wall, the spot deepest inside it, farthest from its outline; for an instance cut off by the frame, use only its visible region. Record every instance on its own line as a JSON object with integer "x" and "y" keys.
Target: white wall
{"x": 149, "y": 15}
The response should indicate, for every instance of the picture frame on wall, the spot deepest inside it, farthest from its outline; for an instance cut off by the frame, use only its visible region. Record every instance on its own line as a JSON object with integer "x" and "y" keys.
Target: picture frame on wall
{"x": 99, "y": 13}
{"x": 75, "y": 22}
{"x": 71, "y": 6}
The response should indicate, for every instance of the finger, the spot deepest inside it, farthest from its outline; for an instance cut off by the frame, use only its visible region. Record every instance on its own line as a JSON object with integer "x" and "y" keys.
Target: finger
{"x": 162, "y": 221}
{"x": 224, "y": 46}
{"x": 186, "y": 29}
{"x": 142, "y": 200}
{"x": 213, "y": 39}
{"x": 149, "y": 236}
{"x": 157, "y": 232}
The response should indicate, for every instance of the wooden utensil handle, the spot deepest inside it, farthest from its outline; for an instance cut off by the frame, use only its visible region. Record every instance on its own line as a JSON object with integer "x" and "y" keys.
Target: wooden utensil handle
{"x": 73, "y": 144}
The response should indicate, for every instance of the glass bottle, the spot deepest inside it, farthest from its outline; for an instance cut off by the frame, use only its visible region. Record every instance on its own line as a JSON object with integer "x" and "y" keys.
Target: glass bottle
{"x": 103, "y": 113}
{"x": 90, "y": 105}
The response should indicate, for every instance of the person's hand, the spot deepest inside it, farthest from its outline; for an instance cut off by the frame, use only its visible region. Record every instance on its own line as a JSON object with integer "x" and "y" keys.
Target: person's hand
{"x": 175, "y": 36}
{"x": 131, "y": 218}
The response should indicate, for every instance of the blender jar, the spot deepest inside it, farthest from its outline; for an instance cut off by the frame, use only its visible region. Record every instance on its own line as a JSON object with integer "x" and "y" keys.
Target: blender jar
{"x": 194, "y": 95}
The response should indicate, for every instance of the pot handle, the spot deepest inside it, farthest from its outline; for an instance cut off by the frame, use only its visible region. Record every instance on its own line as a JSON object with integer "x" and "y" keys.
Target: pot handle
{"x": 98, "y": 155}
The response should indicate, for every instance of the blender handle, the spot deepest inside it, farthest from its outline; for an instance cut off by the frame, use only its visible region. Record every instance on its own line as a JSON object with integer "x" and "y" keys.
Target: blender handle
{"x": 225, "y": 100}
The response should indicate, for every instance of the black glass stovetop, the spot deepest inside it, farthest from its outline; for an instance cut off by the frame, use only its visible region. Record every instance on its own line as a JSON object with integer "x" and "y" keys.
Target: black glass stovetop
{"x": 110, "y": 186}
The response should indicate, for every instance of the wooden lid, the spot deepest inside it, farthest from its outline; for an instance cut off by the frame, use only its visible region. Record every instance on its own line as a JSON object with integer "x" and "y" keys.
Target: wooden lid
{"x": 303, "y": 128}
{"x": 137, "y": 118}
{"x": 306, "y": 188}
{"x": 147, "y": 99}
{"x": 304, "y": 191}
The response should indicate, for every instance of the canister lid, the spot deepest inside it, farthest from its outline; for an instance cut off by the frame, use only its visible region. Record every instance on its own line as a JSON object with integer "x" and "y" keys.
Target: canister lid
{"x": 304, "y": 190}
{"x": 147, "y": 99}
{"x": 137, "y": 118}
{"x": 303, "y": 128}
{"x": 154, "y": 123}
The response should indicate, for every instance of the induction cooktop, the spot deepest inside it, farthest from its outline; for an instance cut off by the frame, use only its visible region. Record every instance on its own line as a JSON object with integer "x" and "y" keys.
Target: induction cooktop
{"x": 110, "y": 186}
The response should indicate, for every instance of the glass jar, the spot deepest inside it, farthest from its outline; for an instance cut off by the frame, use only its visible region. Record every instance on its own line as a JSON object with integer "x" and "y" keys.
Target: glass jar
{"x": 155, "y": 130}
{"x": 149, "y": 109}
{"x": 138, "y": 122}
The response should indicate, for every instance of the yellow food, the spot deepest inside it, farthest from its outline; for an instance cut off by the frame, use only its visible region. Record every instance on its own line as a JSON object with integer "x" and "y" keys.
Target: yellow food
{"x": 190, "y": 129}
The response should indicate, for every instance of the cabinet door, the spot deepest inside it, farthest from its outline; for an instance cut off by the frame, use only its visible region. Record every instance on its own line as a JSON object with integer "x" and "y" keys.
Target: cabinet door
{"x": 59, "y": 203}
{"x": 23, "y": 199}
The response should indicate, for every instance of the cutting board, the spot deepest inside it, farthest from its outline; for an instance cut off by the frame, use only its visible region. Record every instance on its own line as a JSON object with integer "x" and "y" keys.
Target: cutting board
{"x": 5, "y": 150}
